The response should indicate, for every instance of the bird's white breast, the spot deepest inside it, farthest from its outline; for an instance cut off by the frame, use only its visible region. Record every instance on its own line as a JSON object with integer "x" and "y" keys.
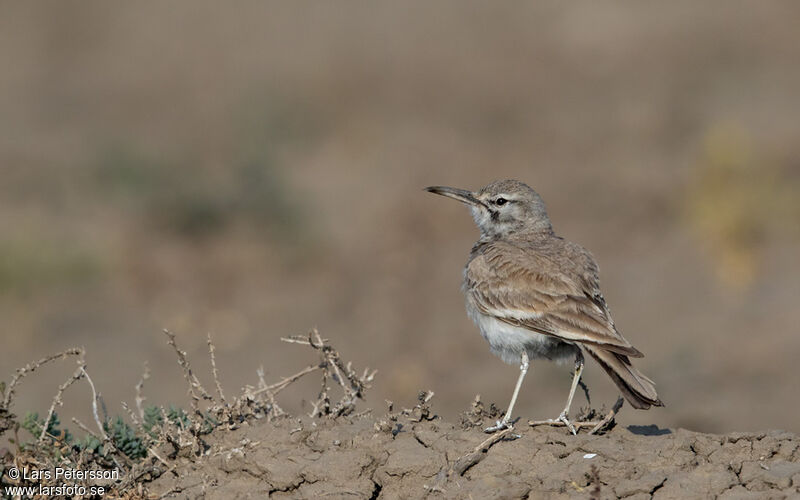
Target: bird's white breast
{"x": 508, "y": 341}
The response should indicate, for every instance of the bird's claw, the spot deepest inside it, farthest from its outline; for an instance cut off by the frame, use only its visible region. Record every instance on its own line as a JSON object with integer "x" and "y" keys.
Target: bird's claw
{"x": 499, "y": 426}
{"x": 563, "y": 418}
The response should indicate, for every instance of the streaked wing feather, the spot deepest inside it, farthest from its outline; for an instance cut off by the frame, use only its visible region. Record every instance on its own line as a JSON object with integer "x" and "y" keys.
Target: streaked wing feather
{"x": 544, "y": 294}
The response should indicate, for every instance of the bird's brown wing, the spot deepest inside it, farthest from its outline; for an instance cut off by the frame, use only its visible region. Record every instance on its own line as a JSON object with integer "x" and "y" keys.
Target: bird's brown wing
{"x": 551, "y": 288}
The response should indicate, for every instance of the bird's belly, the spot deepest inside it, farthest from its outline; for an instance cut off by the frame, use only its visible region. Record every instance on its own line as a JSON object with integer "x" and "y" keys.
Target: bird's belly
{"x": 509, "y": 341}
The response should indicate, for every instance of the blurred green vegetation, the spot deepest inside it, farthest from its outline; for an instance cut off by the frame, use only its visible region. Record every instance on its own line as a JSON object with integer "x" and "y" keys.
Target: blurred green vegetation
{"x": 27, "y": 266}
{"x": 736, "y": 201}
{"x": 195, "y": 202}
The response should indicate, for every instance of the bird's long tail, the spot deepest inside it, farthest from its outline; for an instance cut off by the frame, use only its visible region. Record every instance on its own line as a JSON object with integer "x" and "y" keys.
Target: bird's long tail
{"x": 639, "y": 390}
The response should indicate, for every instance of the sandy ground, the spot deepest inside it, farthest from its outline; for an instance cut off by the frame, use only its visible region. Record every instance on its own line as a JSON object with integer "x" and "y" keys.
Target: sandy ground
{"x": 422, "y": 456}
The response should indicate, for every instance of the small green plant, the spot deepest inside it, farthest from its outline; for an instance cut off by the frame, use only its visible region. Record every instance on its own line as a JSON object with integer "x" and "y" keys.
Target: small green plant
{"x": 154, "y": 418}
{"x": 91, "y": 445}
{"x": 125, "y": 438}
{"x": 33, "y": 424}
{"x": 122, "y": 435}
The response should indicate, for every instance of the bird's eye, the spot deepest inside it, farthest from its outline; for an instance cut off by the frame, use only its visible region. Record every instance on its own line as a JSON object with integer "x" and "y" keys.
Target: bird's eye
{"x": 500, "y": 201}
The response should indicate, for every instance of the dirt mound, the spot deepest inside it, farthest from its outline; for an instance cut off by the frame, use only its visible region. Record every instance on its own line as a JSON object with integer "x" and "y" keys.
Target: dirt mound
{"x": 418, "y": 456}
{"x": 248, "y": 447}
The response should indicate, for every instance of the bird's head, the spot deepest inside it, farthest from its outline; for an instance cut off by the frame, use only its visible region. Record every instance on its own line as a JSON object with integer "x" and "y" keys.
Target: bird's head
{"x": 502, "y": 208}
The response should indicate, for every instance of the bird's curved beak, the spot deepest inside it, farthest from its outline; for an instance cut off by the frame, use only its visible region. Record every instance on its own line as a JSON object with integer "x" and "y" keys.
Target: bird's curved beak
{"x": 461, "y": 195}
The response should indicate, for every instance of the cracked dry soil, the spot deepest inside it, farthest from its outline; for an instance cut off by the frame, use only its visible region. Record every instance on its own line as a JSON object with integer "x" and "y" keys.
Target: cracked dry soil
{"x": 407, "y": 457}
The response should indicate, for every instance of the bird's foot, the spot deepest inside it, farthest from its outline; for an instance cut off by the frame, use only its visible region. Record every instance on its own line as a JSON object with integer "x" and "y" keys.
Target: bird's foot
{"x": 594, "y": 427}
{"x": 559, "y": 421}
{"x": 563, "y": 419}
{"x": 499, "y": 426}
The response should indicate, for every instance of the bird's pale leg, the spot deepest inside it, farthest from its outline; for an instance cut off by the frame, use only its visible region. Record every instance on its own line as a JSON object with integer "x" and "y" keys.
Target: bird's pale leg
{"x": 505, "y": 423}
{"x": 575, "y": 379}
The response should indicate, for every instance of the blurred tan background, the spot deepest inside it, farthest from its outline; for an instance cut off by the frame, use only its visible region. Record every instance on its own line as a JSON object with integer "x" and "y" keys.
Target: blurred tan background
{"x": 255, "y": 170}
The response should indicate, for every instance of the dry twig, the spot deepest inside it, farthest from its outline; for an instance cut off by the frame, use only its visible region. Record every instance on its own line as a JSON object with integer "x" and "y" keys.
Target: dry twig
{"x": 609, "y": 416}
{"x": 57, "y": 401}
{"x": 139, "y": 391}
{"x": 194, "y": 384}
{"x": 286, "y": 381}
{"x": 275, "y": 410}
{"x": 95, "y": 398}
{"x": 214, "y": 371}
{"x": 352, "y": 384}
{"x": 463, "y": 464}
{"x": 470, "y": 459}
{"x": 86, "y": 429}
{"x": 131, "y": 414}
{"x": 33, "y": 366}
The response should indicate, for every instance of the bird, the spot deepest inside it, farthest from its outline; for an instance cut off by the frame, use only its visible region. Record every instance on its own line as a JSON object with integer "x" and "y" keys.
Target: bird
{"x": 535, "y": 295}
